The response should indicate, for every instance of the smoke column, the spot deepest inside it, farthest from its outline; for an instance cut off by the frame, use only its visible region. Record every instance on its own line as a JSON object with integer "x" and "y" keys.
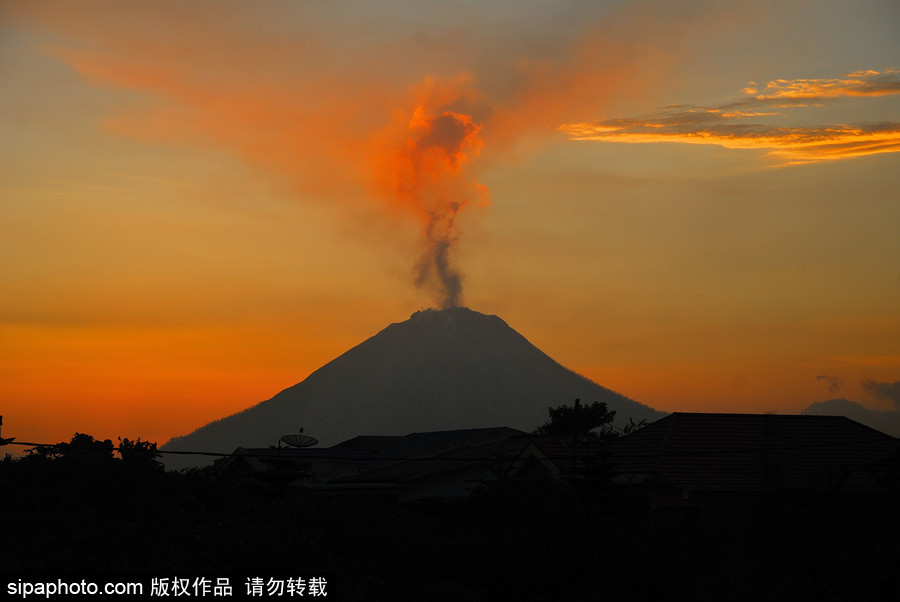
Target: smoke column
{"x": 430, "y": 179}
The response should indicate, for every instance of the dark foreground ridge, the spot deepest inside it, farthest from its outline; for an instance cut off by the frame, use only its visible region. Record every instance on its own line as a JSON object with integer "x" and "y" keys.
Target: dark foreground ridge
{"x": 512, "y": 541}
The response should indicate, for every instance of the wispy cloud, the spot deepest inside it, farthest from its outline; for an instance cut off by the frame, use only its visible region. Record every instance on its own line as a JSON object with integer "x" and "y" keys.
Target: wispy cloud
{"x": 883, "y": 391}
{"x": 882, "y": 361}
{"x": 736, "y": 125}
{"x": 859, "y": 83}
{"x": 832, "y": 382}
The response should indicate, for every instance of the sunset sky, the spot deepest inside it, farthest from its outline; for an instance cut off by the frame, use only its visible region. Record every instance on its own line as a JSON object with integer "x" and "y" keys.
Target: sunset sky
{"x": 695, "y": 204}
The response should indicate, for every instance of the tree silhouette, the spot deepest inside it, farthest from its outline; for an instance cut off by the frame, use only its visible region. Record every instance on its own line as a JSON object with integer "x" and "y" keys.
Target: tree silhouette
{"x": 579, "y": 422}
{"x": 85, "y": 453}
{"x": 140, "y": 457}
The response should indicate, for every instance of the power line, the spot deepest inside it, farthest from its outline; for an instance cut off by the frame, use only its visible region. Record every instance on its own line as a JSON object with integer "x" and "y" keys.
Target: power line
{"x": 272, "y": 453}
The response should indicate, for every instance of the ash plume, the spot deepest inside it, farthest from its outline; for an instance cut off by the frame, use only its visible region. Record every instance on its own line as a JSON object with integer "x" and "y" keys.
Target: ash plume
{"x": 434, "y": 266}
{"x": 432, "y": 181}
{"x": 338, "y": 115}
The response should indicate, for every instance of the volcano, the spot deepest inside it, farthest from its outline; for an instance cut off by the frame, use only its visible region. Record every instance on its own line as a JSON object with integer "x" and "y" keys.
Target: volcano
{"x": 439, "y": 370}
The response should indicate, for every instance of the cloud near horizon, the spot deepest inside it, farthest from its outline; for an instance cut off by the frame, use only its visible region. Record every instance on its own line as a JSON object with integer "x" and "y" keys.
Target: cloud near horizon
{"x": 832, "y": 382}
{"x": 731, "y": 125}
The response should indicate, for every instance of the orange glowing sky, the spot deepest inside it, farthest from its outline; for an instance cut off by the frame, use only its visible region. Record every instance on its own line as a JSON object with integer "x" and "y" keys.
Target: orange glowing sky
{"x": 692, "y": 203}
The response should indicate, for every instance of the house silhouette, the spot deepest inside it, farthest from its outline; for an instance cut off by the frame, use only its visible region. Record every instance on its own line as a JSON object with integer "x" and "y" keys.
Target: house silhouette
{"x": 682, "y": 460}
{"x": 686, "y": 459}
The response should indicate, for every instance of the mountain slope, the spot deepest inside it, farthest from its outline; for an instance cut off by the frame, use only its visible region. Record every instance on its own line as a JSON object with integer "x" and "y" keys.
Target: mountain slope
{"x": 439, "y": 370}
{"x": 883, "y": 420}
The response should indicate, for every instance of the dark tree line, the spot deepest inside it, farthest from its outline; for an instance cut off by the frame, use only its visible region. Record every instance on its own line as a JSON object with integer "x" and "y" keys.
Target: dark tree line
{"x": 83, "y": 454}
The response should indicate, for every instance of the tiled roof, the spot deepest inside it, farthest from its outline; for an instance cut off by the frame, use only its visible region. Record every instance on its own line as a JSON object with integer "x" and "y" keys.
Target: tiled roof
{"x": 366, "y": 442}
{"x": 755, "y": 452}
{"x": 437, "y": 442}
{"x": 418, "y": 454}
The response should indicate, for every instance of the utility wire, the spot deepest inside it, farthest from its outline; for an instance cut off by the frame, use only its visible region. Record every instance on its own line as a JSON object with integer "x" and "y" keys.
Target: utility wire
{"x": 290, "y": 453}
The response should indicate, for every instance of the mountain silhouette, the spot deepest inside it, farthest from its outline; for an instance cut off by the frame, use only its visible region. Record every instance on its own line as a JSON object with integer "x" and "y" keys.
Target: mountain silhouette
{"x": 886, "y": 421}
{"x": 439, "y": 370}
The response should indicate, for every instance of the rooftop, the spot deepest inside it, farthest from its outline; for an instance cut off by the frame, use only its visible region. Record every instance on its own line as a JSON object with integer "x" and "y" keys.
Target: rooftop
{"x": 742, "y": 452}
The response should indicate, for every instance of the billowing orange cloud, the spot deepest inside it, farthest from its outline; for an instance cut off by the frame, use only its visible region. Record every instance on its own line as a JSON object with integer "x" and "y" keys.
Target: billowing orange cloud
{"x": 727, "y": 125}
{"x": 342, "y": 112}
{"x": 428, "y": 177}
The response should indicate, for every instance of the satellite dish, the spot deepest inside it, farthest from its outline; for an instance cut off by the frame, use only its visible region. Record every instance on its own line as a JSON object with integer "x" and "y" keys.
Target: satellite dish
{"x": 299, "y": 440}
